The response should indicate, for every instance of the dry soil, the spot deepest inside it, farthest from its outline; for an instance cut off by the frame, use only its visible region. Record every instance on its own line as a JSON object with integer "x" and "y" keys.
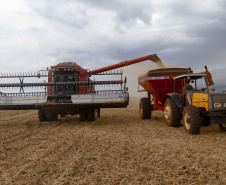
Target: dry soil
{"x": 118, "y": 148}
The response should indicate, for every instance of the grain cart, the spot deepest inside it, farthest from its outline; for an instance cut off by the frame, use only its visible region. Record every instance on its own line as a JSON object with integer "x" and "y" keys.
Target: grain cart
{"x": 195, "y": 106}
{"x": 69, "y": 90}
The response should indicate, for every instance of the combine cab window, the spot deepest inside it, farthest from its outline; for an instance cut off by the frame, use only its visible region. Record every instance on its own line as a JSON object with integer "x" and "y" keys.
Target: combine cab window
{"x": 65, "y": 76}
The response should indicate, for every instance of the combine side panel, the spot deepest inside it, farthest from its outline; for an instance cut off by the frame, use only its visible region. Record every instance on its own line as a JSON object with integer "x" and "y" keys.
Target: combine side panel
{"x": 50, "y": 79}
{"x": 83, "y": 78}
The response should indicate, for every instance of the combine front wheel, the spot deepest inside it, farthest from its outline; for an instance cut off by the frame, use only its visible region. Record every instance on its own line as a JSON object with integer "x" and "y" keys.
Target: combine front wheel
{"x": 172, "y": 113}
{"x": 192, "y": 120}
{"x": 145, "y": 108}
{"x": 83, "y": 115}
{"x": 41, "y": 115}
{"x": 91, "y": 114}
{"x": 51, "y": 117}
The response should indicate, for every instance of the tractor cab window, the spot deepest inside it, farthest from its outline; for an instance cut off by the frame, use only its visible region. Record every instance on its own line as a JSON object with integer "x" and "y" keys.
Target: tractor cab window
{"x": 190, "y": 83}
{"x": 201, "y": 84}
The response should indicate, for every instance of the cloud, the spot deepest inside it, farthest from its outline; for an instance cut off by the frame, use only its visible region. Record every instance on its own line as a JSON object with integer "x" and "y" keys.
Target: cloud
{"x": 40, "y": 33}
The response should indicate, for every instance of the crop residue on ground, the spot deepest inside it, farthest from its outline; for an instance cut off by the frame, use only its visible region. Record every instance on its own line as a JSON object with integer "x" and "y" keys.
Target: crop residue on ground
{"x": 118, "y": 148}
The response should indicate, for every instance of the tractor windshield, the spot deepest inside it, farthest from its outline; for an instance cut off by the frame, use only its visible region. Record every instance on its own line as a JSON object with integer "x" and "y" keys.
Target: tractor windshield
{"x": 190, "y": 82}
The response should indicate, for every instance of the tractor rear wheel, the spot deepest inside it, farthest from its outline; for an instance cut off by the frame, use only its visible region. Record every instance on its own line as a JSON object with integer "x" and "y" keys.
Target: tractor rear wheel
{"x": 192, "y": 121}
{"x": 41, "y": 115}
{"x": 172, "y": 113}
{"x": 145, "y": 108}
{"x": 223, "y": 129}
{"x": 83, "y": 115}
{"x": 91, "y": 114}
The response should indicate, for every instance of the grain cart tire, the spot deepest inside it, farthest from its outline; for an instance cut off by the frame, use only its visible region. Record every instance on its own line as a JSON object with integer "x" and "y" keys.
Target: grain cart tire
{"x": 83, "y": 115}
{"x": 51, "y": 117}
{"x": 91, "y": 114}
{"x": 145, "y": 108}
{"x": 192, "y": 121}
{"x": 41, "y": 115}
{"x": 172, "y": 113}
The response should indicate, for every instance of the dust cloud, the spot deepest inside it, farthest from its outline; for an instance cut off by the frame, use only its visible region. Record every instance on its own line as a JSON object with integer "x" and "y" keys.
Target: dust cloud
{"x": 160, "y": 64}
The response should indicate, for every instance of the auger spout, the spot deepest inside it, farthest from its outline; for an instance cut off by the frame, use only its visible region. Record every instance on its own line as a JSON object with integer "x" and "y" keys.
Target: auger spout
{"x": 152, "y": 57}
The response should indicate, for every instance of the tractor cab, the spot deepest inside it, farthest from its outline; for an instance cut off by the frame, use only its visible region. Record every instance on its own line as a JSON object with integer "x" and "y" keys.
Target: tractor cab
{"x": 191, "y": 82}
{"x": 193, "y": 85}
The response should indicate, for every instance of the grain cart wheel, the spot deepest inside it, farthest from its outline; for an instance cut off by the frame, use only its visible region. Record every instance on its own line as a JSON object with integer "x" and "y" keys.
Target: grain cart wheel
{"x": 83, "y": 115}
{"x": 51, "y": 117}
{"x": 91, "y": 114}
{"x": 192, "y": 121}
{"x": 172, "y": 113}
{"x": 145, "y": 108}
{"x": 41, "y": 115}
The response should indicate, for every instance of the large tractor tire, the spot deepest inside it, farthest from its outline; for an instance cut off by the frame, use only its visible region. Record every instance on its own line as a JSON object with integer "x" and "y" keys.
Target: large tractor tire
{"x": 172, "y": 113}
{"x": 42, "y": 115}
{"x": 145, "y": 108}
{"x": 91, "y": 114}
{"x": 192, "y": 121}
{"x": 51, "y": 117}
{"x": 83, "y": 113}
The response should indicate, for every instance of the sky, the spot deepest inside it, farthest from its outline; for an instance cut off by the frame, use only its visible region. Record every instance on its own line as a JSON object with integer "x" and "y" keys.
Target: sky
{"x": 96, "y": 33}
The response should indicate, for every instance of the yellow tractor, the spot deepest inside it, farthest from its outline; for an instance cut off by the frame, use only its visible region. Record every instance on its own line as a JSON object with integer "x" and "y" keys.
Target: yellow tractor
{"x": 196, "y": 106}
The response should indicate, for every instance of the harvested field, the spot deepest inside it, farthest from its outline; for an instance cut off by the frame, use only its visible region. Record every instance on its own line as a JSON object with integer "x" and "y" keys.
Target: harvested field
{"x": 118, "y": 148}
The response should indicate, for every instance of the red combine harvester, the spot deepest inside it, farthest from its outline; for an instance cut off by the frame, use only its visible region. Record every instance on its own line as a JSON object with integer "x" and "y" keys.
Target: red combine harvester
{"x": 69, "y": 90}
{"x": 168, "y": 90}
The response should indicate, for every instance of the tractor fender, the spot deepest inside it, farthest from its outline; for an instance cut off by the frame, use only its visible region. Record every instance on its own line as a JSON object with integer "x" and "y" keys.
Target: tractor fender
{"x": 176, "y": 97}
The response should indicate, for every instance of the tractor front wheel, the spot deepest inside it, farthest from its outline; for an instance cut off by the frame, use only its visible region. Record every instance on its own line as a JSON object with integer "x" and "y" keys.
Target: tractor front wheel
{"x": 192, "y": 121}
{"x": 145, "y": 108}
{"x": 172, "y": 113}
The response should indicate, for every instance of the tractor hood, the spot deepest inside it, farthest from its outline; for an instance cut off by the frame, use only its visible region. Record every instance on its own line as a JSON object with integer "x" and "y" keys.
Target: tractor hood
{"x": 217, "y": 101}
